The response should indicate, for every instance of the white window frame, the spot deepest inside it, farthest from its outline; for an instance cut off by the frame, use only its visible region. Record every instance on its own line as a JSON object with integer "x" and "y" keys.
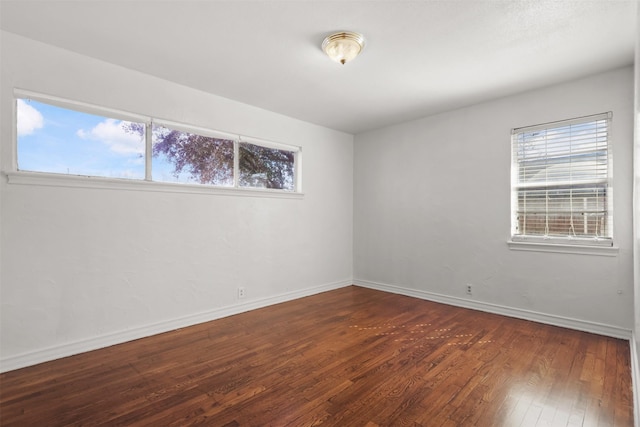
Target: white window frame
{"x": 18, "y": 177}
{"x": 541, "y": 243}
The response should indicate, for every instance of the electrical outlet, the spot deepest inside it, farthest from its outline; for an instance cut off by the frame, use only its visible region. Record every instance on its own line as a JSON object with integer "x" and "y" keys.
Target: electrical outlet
{"x": 241, "y": 292}
{"x": 468, "y": 289}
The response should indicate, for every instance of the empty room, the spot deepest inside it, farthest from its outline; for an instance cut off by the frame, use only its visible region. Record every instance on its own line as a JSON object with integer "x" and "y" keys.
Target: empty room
{"x": 305, "y": 213}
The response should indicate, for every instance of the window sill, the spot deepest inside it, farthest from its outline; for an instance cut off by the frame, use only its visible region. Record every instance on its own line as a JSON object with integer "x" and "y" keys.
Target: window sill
{"x": 76, "y": 181}
{"x": 563, "y": 248}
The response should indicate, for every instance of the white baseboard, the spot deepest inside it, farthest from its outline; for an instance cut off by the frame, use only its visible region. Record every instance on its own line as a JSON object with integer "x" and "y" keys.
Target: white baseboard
{"x": 69, "y": 349}
{"x": 635, "y": 379}
{"x": 550, "y": 319}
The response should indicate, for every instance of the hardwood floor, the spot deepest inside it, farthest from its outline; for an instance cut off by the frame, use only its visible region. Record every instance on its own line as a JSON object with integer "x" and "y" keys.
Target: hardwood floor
{"x": 350, "y": 357}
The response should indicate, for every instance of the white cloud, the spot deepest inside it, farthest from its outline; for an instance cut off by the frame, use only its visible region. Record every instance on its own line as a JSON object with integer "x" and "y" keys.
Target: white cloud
{"x": 29, "y": 119}
{"x": 114, "y": 134}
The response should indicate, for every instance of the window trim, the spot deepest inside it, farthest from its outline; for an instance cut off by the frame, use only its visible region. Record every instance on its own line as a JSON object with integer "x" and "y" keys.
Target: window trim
{"x": 46, "y": 179}
{"x": 559, "y": 244}
{"x": 19, "y": 177}
{"x": 583, "y": 249}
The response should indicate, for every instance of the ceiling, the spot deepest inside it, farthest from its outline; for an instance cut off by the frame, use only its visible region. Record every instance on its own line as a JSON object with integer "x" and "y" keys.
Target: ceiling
{"x": 420, "y": 58}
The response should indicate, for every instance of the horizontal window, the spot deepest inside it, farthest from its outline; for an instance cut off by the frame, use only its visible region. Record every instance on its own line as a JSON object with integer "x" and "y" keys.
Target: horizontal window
{"x": 61, "y": 137}
{"x": 561, "y": 182}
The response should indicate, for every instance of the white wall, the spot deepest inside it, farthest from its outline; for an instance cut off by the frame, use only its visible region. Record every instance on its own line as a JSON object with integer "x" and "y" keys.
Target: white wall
{"x": 636, "y": 223}
{"x": 432, "y": 211}
{"x": 82, "y": 268}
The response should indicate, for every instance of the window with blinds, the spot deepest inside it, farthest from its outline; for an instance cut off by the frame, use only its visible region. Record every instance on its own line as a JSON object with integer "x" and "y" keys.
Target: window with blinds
{"x": 561, "y": 182}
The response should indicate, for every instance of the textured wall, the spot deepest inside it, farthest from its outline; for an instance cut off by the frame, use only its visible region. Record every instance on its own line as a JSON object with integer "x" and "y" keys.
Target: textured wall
{"x": 636, "y": 223}
{"x": 81, "y": 263}
{"x": 432, "y": 207}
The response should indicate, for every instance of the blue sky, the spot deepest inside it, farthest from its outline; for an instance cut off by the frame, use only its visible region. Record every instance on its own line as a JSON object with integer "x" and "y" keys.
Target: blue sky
{"x": 59, "y": 140}
{"x": 54, "y": 139}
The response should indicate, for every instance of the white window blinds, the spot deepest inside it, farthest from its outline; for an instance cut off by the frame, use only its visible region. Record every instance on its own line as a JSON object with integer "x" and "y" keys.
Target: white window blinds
{"x": 561, "y": 181}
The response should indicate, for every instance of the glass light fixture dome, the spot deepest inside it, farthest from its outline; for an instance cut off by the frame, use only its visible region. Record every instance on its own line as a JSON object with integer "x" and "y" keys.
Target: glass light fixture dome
{"x": 343, "y": 46}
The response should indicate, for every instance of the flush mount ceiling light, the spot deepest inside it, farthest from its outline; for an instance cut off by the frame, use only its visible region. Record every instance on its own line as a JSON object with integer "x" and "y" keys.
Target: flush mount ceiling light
{"x": 343, "y": 46}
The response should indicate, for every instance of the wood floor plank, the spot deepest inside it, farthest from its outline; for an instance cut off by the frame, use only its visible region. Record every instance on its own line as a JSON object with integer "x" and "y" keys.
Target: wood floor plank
{"x": 349, "y": 357}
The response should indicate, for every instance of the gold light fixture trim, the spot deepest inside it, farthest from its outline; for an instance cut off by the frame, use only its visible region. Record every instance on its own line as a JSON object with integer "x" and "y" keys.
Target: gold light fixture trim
{"x": 343, "y": 46}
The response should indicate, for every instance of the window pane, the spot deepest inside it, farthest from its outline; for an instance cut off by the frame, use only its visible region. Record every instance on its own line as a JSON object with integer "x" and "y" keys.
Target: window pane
{"x": 262, "y": 167}
{"x": 59, "y": 140}
{"x": 180, "y": 156}
{"x": 577, "y": 212}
